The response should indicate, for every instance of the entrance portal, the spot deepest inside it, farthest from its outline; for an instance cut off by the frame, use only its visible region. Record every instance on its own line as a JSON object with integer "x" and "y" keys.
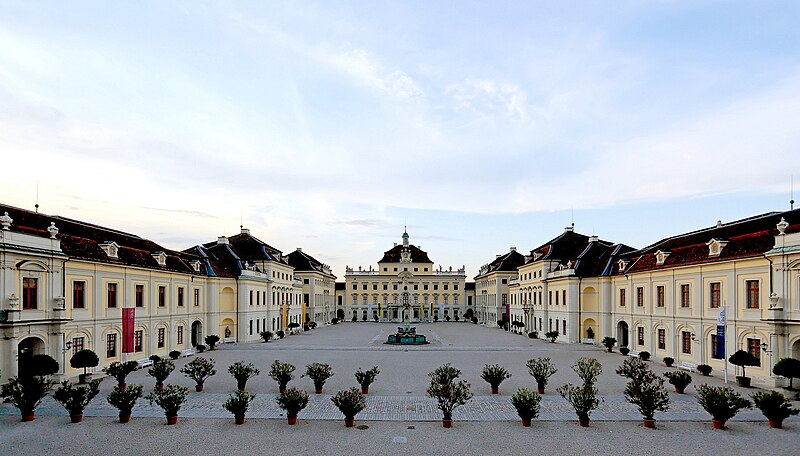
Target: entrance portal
{"x": 622, "y": 334}
{"x": 197, "y": 333}
{"x": 27, "y": 348}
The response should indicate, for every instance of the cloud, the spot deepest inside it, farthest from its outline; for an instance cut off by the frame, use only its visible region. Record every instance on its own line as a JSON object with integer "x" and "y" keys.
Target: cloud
{"x": 487, "y": 97}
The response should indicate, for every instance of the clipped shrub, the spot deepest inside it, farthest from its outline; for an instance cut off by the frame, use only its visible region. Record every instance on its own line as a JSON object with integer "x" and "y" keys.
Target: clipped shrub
{"x": 609, "y": 343}
{"x": 679, "y": 379}
{"x": 722, "y": 403}
{"x": 704, "y": 369}
{"x": 212, "y": 340}
{"x": 644, "y": 355}
{"x": 588, "y": 369}
{"x": 527, "y": 403}
{"x": 787, "y": 367}
{"x": 624, "y": 351}
{"x": 669, "y": 361}
{"x": 494, "y": 374}
{"x": 282, "y": 373}
{"x": 174, "y": 354}
{"x": 84, "y": 359}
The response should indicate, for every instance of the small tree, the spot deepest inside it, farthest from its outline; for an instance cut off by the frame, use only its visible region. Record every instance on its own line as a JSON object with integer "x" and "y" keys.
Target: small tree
{"x": 583, "y": 399}
{"x": 609, "y": 343}
{"x": 170, "y": 399}
{"x": 588, "y": 369}
{"x": 238, "y": 403}
{"x": 647, "y": 392}
{"x": 449, "y": 396}
{"x": 349, "y": 402}
{"x": 787, "y": 367}
{"x": 211, "y": 341}
{"x": 38, "y": 366}
{"x": 120, "y": 371}
{"x": 124, "y": 400}
{"x": 84, "y": 359}
{"x": 160, "y": 371}
{"x": 527, "y": 405}
{"x": 293, "y": 401}
{"x": 494, "y": 374}
{"x": 722, "y": 403}
{"x": 199, "y": 370}
{"x": 743, "y": 359}
{"x": 319, "y": 374}
{"x": 242, "y": 372}
{"x": 282, "y": 373}
{"x": 444, "y": 374}
{"x": 266, "y": 335}
{"x": 775, "y": 407}
{"x": 541, "y": 369}
{"x": 365, "y": 378}
{"x": 634, "y": 369}
{"x": 75, "y": 399}
{"x": 679, "y": 379}
{"x": 26, "y": 393}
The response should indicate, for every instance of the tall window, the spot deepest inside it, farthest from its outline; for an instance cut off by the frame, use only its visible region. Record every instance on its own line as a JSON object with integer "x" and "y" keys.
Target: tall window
{"x": 754, "y": 347}
{"x": 564, "y": 297}
{"x": 139, "y": 295}
{"x": 549, "y": 298}
{"x": 714, "y": 347}
{"x": 752, "y": 294}
{"x": 180, "y": 335}
{"x": 685, "y": 295}
{"x": 111, "y": 345}
{"x": 622, "y": 297}
{"x": 564, "y": 327}
{"x": 662, "y": 339}
{"x": 505, "y": 299}
{"x": 112, "y": 295}
{"x": 196, "y": 297}
{"x": 30, "y": 293}
{"x": 639, "y": 296}
{"x": 77, "y": 344}
{"x": 660, "y": 296}
{"x": 180, "y": 296}
{"x": 78, "y": 295}
{"x": 714, "y": 289}
{"x": 137, "y": 340}
{"x": 162, "y": 296}
{"x": 161, "y": 334}
{"x": 640, "y": 335}
{"x": 686, "y": 342}
{"x": 556, "y": 297}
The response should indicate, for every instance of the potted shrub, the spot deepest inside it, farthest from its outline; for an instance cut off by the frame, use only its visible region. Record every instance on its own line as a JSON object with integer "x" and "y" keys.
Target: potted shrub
{"x": 75, "y": 399}
{"x": 120, "y": 371}
{"x": 624, "y": 351}
{"x": 293, "y": 401}
{"x": 200, "y": 348}
{"x": 124, "y": 400}
{"x": 266, "y": 335}
{"x": 448, "y": 393}
{"x": 647, "y": 392}
{"x": 435, "y": 318}
{"x": 154, "y": 358}
{"x": 679, "y": 379}
{"x": 366, "y": 378}
{"x": 583, "y": 399}
{"x": 237, "y": 403}
{"x": 160, "y": 371}
{"x": 722, "y": 403}
{"x": 282, "y": 373}
{"x": 743, "y": 359}
{"x": 552, "y": 335}
{"x": 242, "y": 372}
{"x": 541, "y": 369}
{"x": 280, "y": 334}
{"x": 775, "y": 406}
{"x": 84, "y": 359}
{"x": 669, "y": 361}
{"x": 704, "y": 369}
{"x": 349, "y": 402}
{"x": 174, "y": 354}
{"x": 212, "y": 340}
{"x": 533, "y": 334}
{"x": 319, "y": 373}
{"x": 588, "y": 369}
{"x": 26, "y": 393}
{"x": 170, "y": 399}
{"x": 199, "y": 369}
{"x": 788, "y": 368}
{"x": 609, "y": 343}
{"x": 644, "y": 355}
{"x": 494, "y": 374}
{"x": 527, "y": 405}
{"x": 334, "y": 320}
{"x": 634, "y": 369}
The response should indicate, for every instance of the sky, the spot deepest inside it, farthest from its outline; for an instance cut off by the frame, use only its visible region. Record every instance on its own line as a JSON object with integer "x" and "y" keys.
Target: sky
{"x": 331, "y": 126}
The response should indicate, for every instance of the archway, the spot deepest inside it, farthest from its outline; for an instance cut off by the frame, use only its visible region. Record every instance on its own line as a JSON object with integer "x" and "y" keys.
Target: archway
{"x": 197, "y": 333}
{"x": 27, "y": 348}
{"x": 340, "y": 314}
{"x": 228, "y": 328}
{"x": 622, "y": 334}
{"x": 588, "y": 328}
{"x": 796, "y": 349}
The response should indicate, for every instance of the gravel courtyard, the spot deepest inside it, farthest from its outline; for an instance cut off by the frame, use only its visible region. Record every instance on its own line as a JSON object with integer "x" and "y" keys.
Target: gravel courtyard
{"x": 399, "y": 416}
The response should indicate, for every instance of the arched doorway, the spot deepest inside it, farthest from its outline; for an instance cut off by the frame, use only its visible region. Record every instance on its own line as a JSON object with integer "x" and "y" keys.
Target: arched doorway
{"x": 197, "y": 333}
{"x": 27, "y": 348}
{"x": 340, "y": 314}
{"x": 796, "y": 350}
{"x": 622, "y": 334}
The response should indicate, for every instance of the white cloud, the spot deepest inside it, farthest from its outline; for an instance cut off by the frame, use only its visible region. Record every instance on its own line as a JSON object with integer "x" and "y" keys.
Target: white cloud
{"x": 487, "y": 97}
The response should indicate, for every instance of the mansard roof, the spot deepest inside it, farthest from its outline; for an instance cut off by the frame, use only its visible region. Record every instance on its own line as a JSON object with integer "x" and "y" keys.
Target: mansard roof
{"x": 393, "y": 255}
{"x": 82, "y": 240}
{"x": 588, "y": 256}
{"x": 304, "y": 262}
{"x": 508, "y": 262}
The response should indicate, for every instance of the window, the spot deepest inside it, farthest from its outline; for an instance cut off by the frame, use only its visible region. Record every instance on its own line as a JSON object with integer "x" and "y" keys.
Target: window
{"x": 505, "y": 299}
{"x": 504, "y": 281}
{"x": 686, "y": 342}
{"x": 305, "y": 281}
{"x": 714, "y": 289}
{"x": 622, "y": 297}
{"x": 564, "y": 297}
{"x": 714, "y": 347}
{"x": 752, "y": 293}
{"x": 30, "y": 293}
{"x": 77, "y": 344}
{"x": 685, "y": 295}
{"x": 196, "y": 297}
{"x": 364, "y": 286}
{"x": 550, "y": 298}
{"x": 425, "y": 287}
{"x": 564, "y": 327}
{"x": 137, "y": 340}
{"x": 446, "y": 285}
{"x": 162, "y": 296}
{"x": 375, "y": 287}
{"x": 435, "y": 286}
{"x": 640, "y": 335}
{"x": 139, "y": 295}
{"x": 386, "y": 287}
{"x": 662, "y": 339}
{"x": 112, "y": 295}
{"x": 180, "y": 335}
{"x": 79, "y": 295}
{"x": 660, "y": 298}
{"x": 180, "y": 296}
{"x": 111, "y": 345}
{"x": 639, "y": 297}
{"x": 355, "y": 286}
{"x": 161, "y": 334}
{"x": 754, "y": 348}
{"x": 251, "y": 327}
{"x": 455, "y": 286}
{"x": 556, "y": 297}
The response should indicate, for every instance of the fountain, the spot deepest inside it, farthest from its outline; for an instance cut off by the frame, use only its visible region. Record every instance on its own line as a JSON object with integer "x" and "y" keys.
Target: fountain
{"x": 406, "y": 334}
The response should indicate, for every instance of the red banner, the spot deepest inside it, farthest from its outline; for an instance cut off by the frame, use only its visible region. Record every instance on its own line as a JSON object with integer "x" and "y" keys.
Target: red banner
{"x": 127, "y": 329}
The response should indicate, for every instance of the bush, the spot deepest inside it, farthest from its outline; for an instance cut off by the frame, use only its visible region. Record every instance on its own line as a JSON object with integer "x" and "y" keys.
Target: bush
{"x": 648, "y": 394}
{"x": 609, "y": 343}
{"x": 365, "y": 378}
{"x": 475, "y": 320}
{"x": 624, "y": 351}
{"x": 668, "y": 361}
{"x": 282, "y": 373}
{"x": 743, "y": 359}
{"x": 349, "y": 402}
{"x": 679, "y": 379}
{"x": 175, "y": 354}
{"x": 155, "y": 358}
{"x": 527, "y": 403}
{"x": 644, "y": 355}
{"x": 84, "y": 359}
{"x": 582, "y": 398}
{"x": 199, "y": 370}
{"x": 722, "y": 403}
{"x": 26, "y": 393}
{"x": 200, "y": 348}
{"x": 161, "y": 370}
{"x": 704, "y": 369}
{"x": 588, "y": 369}
{"x": 355, "y": 319}
{"x": 125, "y": 399}
{"x": 448, "y": 393}
{"x": 76, "y": 399}
{"x": 242, "y": 372}
{"x": 435, "y": 318}
{"x": 455, "y": 318}
{"x": 533, "y": 335}
{"x": 334, "y": 320}
{"x": 238, "y": 402}
{"x": 319, "y": 374}
{"x": 170, "y": 399}
{"x": 293, "y": 401}
{"x": 363, "y": 318}
{"x": 787, "y": 367}
{"x": 774, "y": 405}
{"x": 552, "y": 335}
{"x": 39, "y": 365}
{"x": 444, "y": 374}
{"x": 212, "y": 340}
{"x": 266, "y": 335}
{"x": 120, "y": 371}
{"x": 494, "y": 374}
{"x": 541, "y": 369}
{"x": 447, "y": 318}
{"x": 281, "y": 334}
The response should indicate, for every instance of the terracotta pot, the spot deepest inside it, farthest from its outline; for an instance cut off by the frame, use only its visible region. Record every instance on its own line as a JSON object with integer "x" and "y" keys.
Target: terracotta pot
{"x": 198, "y": 388}
{"x": 239, "y": 419}
{"x": 124, "y": 417}
{"x": 526, "y": 422}
{"x": 159, "y": 387}
{"x": 75, "y": 417}
{"x": 609, "y": 350}
{"x": 28, "y": 416}
{"x": 649, "y": 423}
{"x": 679, "y": 390}
{"x": 365, "y": 391}
{"x": 122, "y": 386}
{"x": 282, "y": 389}
{"x": 172, "y": 420}
{"x": 349, "y": 422}
{"x": 292, "y": 419}
{"x": 495, "y": 389}
{"x": 583, "y": 422}
{"x": 776, "y": 424}
{"x": 540, "y": 390}
{"x": 718, "y": 424}
{"x": 447, "y": 423}
{"x": 318, "y": 390}
{"x": 241, "y": 385}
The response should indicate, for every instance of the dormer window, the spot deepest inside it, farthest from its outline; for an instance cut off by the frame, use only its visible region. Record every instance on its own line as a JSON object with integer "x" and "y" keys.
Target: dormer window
{"x": 195, "y": 265}
{"x": 661, "y": 256}
{"x": 111, "y": 249}
{"x": 715, "y": 246}
{"x": 161, "y": 258}
{"x": 536, "y": 256}
{"x": 622, "y": 264}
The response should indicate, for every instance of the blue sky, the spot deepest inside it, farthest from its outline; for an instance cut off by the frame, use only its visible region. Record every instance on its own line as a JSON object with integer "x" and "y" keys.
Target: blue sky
{"x": 331, "y": 125}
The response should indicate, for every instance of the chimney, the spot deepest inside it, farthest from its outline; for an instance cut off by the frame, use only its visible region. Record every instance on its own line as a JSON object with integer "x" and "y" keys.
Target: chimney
{"x": 299, "y": 249}
{"x": 245, "y": 230}
{"x": 593, "y": 239}
{"x": 569, "y": 229}
{"x": 395, "y": 244}
{"x": 497, "y": 256}
{"x": 512, "y": 249}
{"x": 222, "y": 240}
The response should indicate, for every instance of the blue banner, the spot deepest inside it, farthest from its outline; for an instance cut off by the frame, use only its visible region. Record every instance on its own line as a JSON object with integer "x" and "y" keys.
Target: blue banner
{"x": 720, "y": 354}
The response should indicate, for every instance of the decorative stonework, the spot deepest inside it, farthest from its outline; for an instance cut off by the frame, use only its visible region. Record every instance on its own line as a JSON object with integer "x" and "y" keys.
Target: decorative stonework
{"x": 111, "y": 249}
{"x": 53, "y": 230}
{"x": 6, "y": 221}
{"x": 715, "y": 247}
{"x": 661, "y": 256}
{"x": 161, "y": 258}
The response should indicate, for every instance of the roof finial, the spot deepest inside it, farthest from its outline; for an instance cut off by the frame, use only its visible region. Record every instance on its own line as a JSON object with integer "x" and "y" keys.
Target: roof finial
{"x": 36, "y": 206}
{"x": 791, "y": 193}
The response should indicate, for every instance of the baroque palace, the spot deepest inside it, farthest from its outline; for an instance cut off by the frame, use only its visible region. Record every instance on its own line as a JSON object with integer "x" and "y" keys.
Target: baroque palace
{"x": 65, "y": 285}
